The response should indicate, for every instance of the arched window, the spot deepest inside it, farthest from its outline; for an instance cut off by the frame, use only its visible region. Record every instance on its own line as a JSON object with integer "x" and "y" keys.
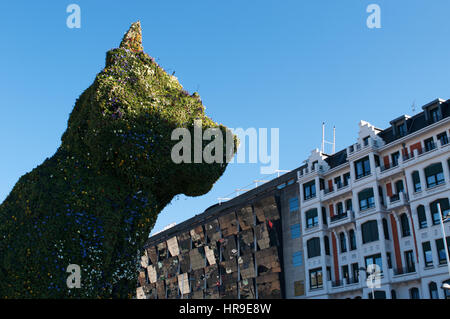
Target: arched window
{"x": 405, "y": 225}
{"x": 445, "y": 206}
{"x": 348, "y": 204}
{"x": 343, "y": 243}
{"x": 421, "y": 216}
{"x": 326, "y": 242}
{"x": 416, "y": 181}
{"x": 352, "y": 239}
{"x": 434, "y": 175}
{"x": 399, "y": 186}
{"x": 340, "y": 208}
{"x": 432, "y": 287}
{"x": 385, "y": 229}
{"x": 446, "y": 291}
{"x": 414, "y": 293}
{"x": 324, "y": 216}
{"x": 393, "y": 294}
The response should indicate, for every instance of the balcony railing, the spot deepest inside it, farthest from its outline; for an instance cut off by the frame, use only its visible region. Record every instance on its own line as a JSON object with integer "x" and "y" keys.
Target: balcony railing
{"x": 404, "y": 270}
{"x": 394, "y": 198}
{"x": 337, "y": 283}
{"x": 337, "y": 217}
{"x": 351, "y": 281}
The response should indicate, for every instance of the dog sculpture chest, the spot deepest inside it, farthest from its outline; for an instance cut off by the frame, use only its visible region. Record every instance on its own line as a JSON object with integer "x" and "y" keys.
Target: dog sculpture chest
{"x": 94, "y": 202}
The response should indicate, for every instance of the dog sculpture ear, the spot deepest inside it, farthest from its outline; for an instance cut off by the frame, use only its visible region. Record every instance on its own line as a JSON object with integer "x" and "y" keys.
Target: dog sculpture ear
{"x": 132, "y": 40}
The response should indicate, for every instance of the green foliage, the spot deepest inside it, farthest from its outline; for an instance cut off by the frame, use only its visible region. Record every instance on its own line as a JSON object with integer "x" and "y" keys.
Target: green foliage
{"x": 94, "y": 202}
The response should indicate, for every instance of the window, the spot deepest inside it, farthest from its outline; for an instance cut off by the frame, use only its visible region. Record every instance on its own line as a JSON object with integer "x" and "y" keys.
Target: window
{"x": 355, "y": 272}
{"x": 401, "y": 129}
{"x": 343, "y": 243}
{"x": 389, "y": 260}
{"x": 352, "y": 236}
{"x": 443, "y": 138}
{"x": 324, "y": 216}
{"x": 346, "y": 178}
{"x": 313, "y": 246}
{"x": 366, "y": 140}
{"x": 405, "y": 225}
{"x": 441, "y": 250}
{"x": 399, "y": 186}
{"x": 311, "y": 218}
{"x": 394, "y": 158}
{"x": 427, "y": 254}
{"x": 434, "y": 115}
{"x": 338, "y": 182}
{"x": 293, "y": 204}
{"x": 315, "y": 278}
{"x": 385, "y": 229}
{"x": 345, "y": 272}
{"x": 366, "y": 199}
{"x": 329, "y": 273}
{"x": 340, "y": 208}
{"x": 309, "y": 190}
{"x": 362, "y": 167}
{"x": 393, "y": 294}
{"x": 374, "y": 260}
{"x": 295, "y": 231}
{"x": 422, "y": 216}
{"x": 349, "y": 204}
{"x": 414, "y": 293}
{"x": 434, "y": 175}
{"x": 446, "y": 291}
{"x": 297, "y": 259}
{"x": 416, "y": 181}
{"x": 432, "y": 287}
{"x": 429, "y": 144}
{"x": 445, "y": 206}
{"x": 369, "y": 231}
{"x": 410, "y": 265}
{"x": 326, "y": 242}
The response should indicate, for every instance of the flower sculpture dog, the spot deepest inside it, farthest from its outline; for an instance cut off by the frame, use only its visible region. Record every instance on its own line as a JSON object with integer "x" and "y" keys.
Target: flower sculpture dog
{"x": 94, "y": 202}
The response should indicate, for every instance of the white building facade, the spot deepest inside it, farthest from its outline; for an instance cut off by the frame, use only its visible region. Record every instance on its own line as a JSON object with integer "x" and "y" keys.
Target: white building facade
{"x": 376, "y": 202}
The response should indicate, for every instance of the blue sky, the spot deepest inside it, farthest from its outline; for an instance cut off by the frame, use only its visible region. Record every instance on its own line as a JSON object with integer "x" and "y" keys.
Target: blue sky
{"x": 263, "y": 64}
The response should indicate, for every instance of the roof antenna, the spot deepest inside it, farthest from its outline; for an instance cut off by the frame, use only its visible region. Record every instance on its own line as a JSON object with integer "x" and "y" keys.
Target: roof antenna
{"x": 413, "y": 107}
{"x": 324, "y": 141}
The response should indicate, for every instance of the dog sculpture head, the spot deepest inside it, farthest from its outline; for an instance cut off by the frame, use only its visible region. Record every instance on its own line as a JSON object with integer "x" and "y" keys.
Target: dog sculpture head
{"x": 98, "y": 197}
{"x": 124, "y": 122}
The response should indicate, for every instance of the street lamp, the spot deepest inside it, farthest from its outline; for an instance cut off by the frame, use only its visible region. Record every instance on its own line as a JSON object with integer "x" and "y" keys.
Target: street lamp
{"x": 365, "y": 270}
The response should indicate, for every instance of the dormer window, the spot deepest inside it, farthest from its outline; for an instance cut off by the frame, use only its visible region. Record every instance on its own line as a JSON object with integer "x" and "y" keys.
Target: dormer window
{"x": 401, "y": 129}
{"x": 434, "y": 115}
{"x": 366, "y": 141}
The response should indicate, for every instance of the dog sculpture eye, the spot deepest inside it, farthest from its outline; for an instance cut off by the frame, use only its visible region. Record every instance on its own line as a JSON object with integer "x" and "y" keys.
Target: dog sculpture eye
{"x": 94, "y": 202}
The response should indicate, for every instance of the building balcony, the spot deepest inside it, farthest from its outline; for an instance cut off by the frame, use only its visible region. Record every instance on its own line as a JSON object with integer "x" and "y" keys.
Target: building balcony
{"x": 404, "y": 273}
{"x": 344, "y": 285}
{"x": 397, "y": 200}
{"x": 328, "y": 193}
{"x": 424, "y": 154}
{"x": 340, "y": 219}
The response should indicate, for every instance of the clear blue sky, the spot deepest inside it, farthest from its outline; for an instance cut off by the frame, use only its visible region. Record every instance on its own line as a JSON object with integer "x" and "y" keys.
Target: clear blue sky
{"x": 282, "y": 64}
